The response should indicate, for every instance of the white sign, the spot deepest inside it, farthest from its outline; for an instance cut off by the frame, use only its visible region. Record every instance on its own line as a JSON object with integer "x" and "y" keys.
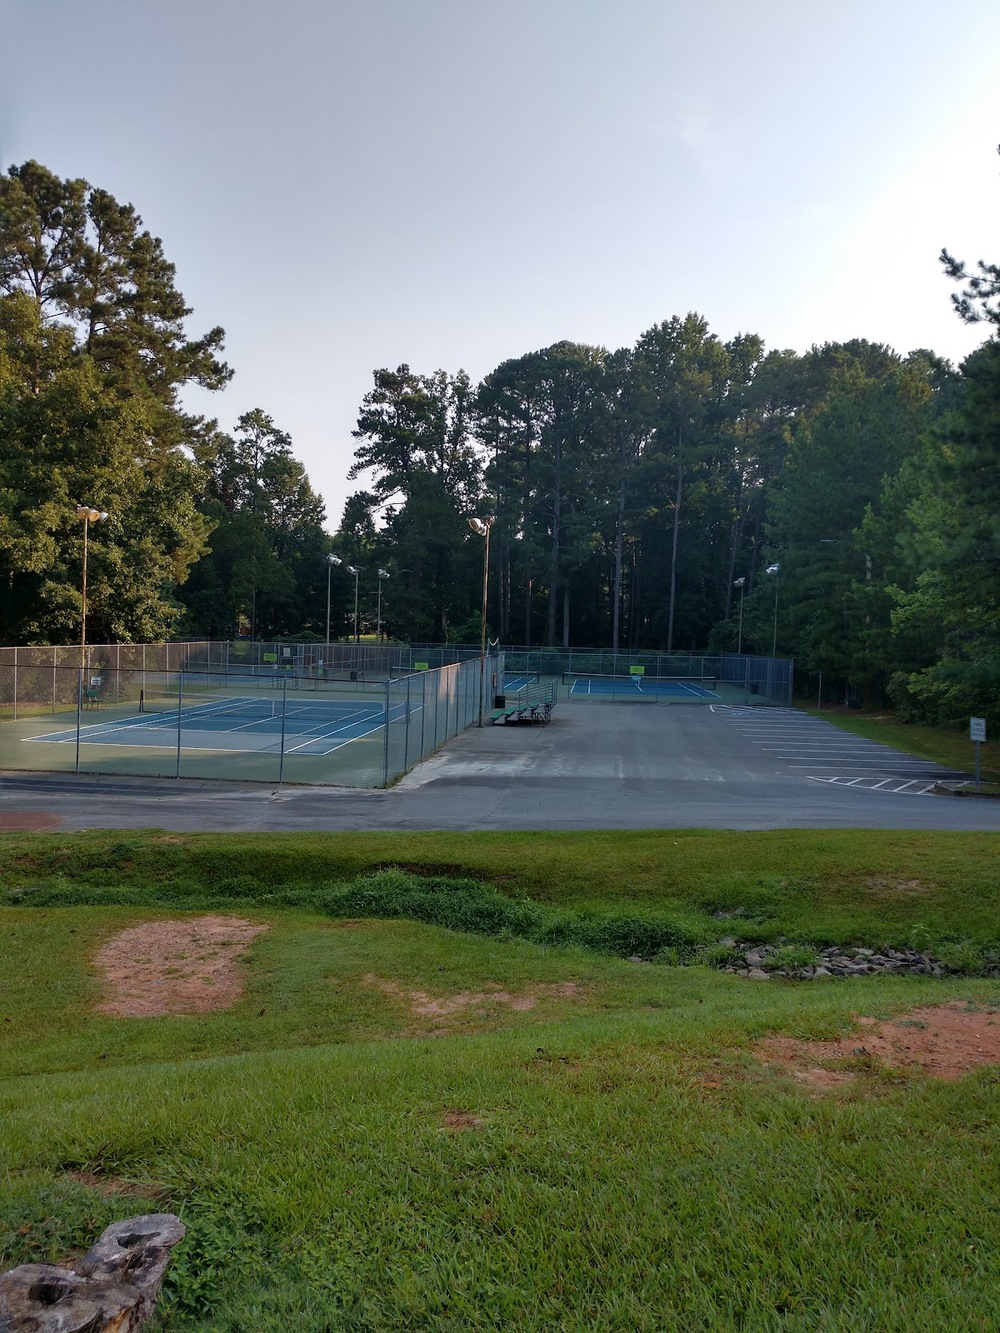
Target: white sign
{"x": 977, "y": 728}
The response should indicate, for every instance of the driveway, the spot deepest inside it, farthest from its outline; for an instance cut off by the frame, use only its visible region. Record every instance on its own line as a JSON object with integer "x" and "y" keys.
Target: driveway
{"x": 596, "y": 766}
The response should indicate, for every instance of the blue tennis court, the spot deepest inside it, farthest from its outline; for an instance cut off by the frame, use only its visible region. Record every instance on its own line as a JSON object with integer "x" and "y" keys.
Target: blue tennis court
{"x": 511, "y": 684}
{"x": 239, "y": 724}
{"x": 624, "y": 687}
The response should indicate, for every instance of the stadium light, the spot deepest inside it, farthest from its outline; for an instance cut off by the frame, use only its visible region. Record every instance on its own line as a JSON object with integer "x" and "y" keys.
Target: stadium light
{"x": 331, "y": 560}
{"x": 382, "y": 574}
{"x": 481, "y": 527}
{"x": 357, "y": 628}
{"x": 775, "y": 569}
{"x": 741, "y": 584}
{"x": 89, "y": 515}
{"x": 336, "y": 560}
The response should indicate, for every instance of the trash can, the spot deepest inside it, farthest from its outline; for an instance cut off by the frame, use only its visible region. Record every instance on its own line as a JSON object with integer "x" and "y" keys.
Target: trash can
{"x": 354, "y": 675}
{"x": 500, "y": 701}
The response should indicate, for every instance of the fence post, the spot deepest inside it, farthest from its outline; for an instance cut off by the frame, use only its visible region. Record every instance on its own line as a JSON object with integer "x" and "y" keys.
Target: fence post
{"x": 284, "y": 706}
{"x": 406, "y": 733}
{"x": 15, "y": 685}
{"x": 79, "y": 709}
{"x": 423, "y": 709}
{"x": 180, "y": 703}
{"x": 385, "y": 739}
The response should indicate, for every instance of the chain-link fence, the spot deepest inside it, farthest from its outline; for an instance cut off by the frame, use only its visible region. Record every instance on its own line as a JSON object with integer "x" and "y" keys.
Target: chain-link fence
{"x": 734, "y": 678}
{"x": 361, "y": 725}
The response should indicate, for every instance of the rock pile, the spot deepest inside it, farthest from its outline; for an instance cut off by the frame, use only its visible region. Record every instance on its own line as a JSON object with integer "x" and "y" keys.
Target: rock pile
{"x": 762, "y": 962}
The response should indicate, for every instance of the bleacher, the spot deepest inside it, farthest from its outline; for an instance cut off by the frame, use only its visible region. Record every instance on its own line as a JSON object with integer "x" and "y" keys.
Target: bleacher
{"x": 531, "y": 704}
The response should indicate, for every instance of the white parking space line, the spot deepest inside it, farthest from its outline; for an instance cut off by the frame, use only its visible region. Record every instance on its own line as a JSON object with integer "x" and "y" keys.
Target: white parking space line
{"x": 817, "y": 751}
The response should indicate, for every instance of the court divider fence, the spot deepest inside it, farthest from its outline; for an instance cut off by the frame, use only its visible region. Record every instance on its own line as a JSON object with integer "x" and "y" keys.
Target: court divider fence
{"x": 343, "y": 725}
{"x": 735, "y": 677}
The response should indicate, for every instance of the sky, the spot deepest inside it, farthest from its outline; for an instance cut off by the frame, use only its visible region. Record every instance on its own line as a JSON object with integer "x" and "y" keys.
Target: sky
{"x": 345, "y": 186}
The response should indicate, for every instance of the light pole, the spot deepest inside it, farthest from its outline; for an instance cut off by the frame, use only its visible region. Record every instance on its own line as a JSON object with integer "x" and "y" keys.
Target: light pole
{"x": 741, "y": 584}
{"x": 775, "y": 569}
{"x": 336, "y": 560}
{"x": 331, "y": 560}
{"x": 357, "y": 628}
{"x": 382, "y": 574}
{"x": 481, "y": 526}
{"x": 89, "y": 515}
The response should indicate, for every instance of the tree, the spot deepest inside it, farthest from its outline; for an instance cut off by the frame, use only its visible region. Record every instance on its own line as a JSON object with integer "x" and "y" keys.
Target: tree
{"x": 836, "y": 556}
{"x": 687, "y": 369}
{"x": 66, "y": 438}
{"x": 265, "y": 569}
{"x": 954, "y": 603}
{"x": 414, "y": 436}
{"x": 93, "y": 353}
{"x": 981, "y": 298}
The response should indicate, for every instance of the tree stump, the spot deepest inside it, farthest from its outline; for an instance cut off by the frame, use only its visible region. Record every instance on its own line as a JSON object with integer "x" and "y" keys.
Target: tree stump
{"x": 112, "y": 1289}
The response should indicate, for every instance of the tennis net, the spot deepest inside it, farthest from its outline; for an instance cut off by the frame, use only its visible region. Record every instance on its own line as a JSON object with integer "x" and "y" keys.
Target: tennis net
{"x": 663, "y": 684}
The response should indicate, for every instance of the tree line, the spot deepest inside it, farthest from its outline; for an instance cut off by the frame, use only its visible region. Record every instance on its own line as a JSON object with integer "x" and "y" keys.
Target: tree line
{"x": 838, "y": 506}
{"x": 207, "y": 533}
{"x": 689, "y": 493}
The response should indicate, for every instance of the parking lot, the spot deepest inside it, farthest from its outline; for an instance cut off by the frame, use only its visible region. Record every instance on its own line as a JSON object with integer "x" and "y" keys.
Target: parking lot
{"x": 596, "y": 766}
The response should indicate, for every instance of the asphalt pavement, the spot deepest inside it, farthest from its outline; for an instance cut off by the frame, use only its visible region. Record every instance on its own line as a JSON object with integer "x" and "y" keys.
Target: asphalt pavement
{"x": 597, "y": 765}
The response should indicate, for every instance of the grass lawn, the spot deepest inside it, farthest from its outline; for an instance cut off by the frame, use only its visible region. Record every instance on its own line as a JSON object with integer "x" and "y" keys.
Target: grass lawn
{"x": 381, "y": 1134}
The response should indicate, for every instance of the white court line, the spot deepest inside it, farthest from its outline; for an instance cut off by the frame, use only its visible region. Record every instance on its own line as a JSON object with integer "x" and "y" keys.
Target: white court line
{"x": 89, "y": 734}
{"x": 348, "y": 740}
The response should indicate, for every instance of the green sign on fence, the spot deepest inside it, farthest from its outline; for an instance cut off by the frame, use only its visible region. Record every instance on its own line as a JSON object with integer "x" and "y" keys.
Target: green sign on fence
{"x": 637, "y": 670}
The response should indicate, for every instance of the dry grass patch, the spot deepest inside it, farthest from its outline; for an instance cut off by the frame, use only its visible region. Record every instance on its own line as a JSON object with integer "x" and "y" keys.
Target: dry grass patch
{"x": 461, "y": 1004}
{"x": 188, "y": 966}
{"x": 899, "y": 888}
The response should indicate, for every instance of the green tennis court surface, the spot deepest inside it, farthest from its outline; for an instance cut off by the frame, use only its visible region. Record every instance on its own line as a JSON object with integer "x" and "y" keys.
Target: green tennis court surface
{"x": 635, "y": 686}
{"x": 268, "y": 724}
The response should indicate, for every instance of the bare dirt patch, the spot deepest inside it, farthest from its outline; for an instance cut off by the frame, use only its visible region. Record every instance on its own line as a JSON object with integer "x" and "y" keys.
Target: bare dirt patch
{"x": 187, "y": 966}
{"x": 425, "y": 1005}
{"x": 898, "y": 888}
{"x": 942, "y": 1041}
{"x": 460, "y": 1120}
{"x": 27, "y": 821}
{"x": 110, "y": 1186}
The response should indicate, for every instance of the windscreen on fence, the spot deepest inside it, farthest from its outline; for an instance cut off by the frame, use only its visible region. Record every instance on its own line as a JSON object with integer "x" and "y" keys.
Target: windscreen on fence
{"x": 350, "y": 727}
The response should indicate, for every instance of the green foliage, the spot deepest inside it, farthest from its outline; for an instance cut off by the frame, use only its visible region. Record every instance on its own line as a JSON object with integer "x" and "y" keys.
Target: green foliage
{"x": 265, "y": 571}
{"x": 93, "y": 353}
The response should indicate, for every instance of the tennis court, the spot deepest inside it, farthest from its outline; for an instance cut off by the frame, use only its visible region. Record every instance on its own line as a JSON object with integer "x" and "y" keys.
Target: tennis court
{"x": 336, "y": 728}
{"x": 638, "y": 686}
{"x": 237, "y": 724}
